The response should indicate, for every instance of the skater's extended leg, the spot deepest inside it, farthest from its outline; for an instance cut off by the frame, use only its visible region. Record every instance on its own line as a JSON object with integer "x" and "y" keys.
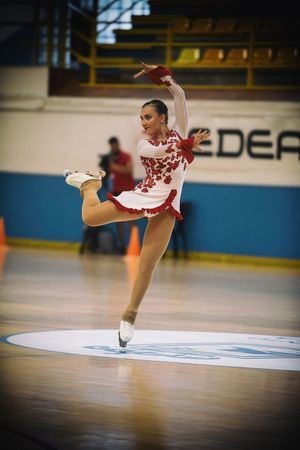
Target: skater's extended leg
{"x": 95, "y": 213}
{"x": 156, "y": 239}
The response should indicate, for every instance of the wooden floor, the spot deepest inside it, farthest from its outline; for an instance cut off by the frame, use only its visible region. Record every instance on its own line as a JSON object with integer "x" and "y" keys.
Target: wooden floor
{"x": 62, "y": 401}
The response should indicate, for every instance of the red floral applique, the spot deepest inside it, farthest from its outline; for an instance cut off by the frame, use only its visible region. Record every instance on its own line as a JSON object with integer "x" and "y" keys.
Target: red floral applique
{"x": 166, "y": 205}
{"x": 159, "y": 172}
{"x": 186, "y": 146}
{"x": 170, "y": 134}
{"x": 160, "y": 169}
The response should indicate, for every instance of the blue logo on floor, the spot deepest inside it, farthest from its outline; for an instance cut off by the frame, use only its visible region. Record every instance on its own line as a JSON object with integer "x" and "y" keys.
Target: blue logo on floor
{"x": 185, "y": 347}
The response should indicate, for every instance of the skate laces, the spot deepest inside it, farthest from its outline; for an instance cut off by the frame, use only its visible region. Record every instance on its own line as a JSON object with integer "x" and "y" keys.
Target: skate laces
{"x": 100, "y": 174}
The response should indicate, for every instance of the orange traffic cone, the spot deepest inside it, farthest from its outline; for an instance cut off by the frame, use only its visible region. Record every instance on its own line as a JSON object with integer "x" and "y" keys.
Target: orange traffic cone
{"x": 134, "y": 247}
{"x": 2, "y": 233}
{"x": 3, "y": 252}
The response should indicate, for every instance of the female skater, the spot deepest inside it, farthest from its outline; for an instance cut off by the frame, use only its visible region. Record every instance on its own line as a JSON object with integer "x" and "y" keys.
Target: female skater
{"x": 165, "y": 156}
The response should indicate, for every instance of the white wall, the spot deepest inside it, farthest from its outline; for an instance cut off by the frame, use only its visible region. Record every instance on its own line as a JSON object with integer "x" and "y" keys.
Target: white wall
{"x": 47, "y": 135}
{"x": 64, "y": 133}
{"x": 24, "y": 81}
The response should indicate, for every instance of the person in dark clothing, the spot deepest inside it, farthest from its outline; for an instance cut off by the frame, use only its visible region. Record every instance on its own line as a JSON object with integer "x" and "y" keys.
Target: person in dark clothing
{"x": 104, "y": 161}
{"x": 120, "y": 168}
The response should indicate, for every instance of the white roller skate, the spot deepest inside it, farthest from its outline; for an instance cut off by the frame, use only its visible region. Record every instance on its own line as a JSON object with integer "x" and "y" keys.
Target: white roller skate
{"x": 125, "y": 333}
{"x": 78, "y": 179}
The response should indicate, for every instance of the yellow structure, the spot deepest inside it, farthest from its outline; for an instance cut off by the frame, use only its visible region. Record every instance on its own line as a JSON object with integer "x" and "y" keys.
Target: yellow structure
{"x": 201, "y": 43}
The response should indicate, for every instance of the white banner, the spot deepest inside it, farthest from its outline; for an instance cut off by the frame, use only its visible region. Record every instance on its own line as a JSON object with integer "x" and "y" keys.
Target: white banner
{"x": 251, "y": 143}
{"x": 256, "y": 143}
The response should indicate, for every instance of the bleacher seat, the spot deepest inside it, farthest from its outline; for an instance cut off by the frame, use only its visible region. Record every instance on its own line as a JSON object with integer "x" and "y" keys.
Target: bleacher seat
{"x": 243, "y": 25}
{"x": 181, "y": 24}
{"x": 188, "y": 56}
{"x": 276, "y": 57}
{"x": 270, "y": 26}
{"x": 213, "y": 56}
{"x": 202, "y": 25}
{"x": 237, "y": 56}
{"x": 263, "y": 56}
{"x": 287, "y": 56}
{"x": 226, "y": 25}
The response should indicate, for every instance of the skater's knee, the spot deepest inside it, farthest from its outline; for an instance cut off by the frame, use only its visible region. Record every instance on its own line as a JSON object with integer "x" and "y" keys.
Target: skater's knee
{"x": 89, "y": 219}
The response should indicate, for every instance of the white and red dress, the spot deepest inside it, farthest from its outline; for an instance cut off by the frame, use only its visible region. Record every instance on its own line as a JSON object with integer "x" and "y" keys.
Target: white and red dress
{"x": 165, "y": 161}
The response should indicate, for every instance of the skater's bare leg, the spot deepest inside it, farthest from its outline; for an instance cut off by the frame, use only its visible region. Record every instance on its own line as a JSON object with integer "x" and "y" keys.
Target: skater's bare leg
{"x": 156, "y": 239}
{"x": 95, "y": 213}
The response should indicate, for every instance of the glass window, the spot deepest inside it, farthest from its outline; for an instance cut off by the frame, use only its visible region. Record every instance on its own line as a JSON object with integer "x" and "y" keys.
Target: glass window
{"x": 117, "y": 15}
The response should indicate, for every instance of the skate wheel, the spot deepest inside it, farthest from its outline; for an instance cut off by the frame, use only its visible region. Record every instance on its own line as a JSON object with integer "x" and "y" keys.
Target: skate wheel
{"x": 121, "y": 343}
{"x": 66, "y": 173}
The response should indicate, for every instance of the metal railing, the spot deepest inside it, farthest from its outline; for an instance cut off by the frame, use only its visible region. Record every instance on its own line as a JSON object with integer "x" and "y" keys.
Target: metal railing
{"x": 58, "y": 32}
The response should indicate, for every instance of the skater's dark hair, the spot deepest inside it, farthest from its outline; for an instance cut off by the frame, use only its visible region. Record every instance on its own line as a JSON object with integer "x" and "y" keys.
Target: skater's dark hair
{"x": 113, "y": 140}
{"x": 160, "y": 107}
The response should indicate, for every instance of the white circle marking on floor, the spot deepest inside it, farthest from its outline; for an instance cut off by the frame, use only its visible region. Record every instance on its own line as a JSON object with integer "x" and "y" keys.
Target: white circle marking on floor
{"x": 188, "y": 347}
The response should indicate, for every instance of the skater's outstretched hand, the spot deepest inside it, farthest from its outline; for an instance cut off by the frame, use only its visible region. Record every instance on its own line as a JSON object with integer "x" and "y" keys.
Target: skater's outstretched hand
{"x": 199, "y": 137}
{"x": 146, "y": 68}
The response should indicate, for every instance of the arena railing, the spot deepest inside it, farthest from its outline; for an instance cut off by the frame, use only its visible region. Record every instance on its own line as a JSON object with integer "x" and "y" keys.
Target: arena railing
{"x": 177, "y": 35}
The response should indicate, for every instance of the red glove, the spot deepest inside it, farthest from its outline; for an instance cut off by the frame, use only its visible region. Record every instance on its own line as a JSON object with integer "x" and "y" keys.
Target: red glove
{"x": 186, "y": 146}
{"x": 155, "y": 75}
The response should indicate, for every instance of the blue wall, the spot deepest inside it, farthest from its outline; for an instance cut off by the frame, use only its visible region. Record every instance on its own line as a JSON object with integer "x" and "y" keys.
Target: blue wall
{"x": 232, "y": 219}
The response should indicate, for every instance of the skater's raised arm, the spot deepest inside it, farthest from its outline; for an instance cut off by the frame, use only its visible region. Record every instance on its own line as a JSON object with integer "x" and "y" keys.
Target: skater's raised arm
{"x": 161, "y": 75}
{"x": 164, "y": 76}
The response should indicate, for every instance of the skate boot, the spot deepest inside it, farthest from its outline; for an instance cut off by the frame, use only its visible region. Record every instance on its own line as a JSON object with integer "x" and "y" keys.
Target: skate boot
{"x": 79, "y": 179}
{"x": 125, "y": 333}
{"x": 126, "y": 330}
